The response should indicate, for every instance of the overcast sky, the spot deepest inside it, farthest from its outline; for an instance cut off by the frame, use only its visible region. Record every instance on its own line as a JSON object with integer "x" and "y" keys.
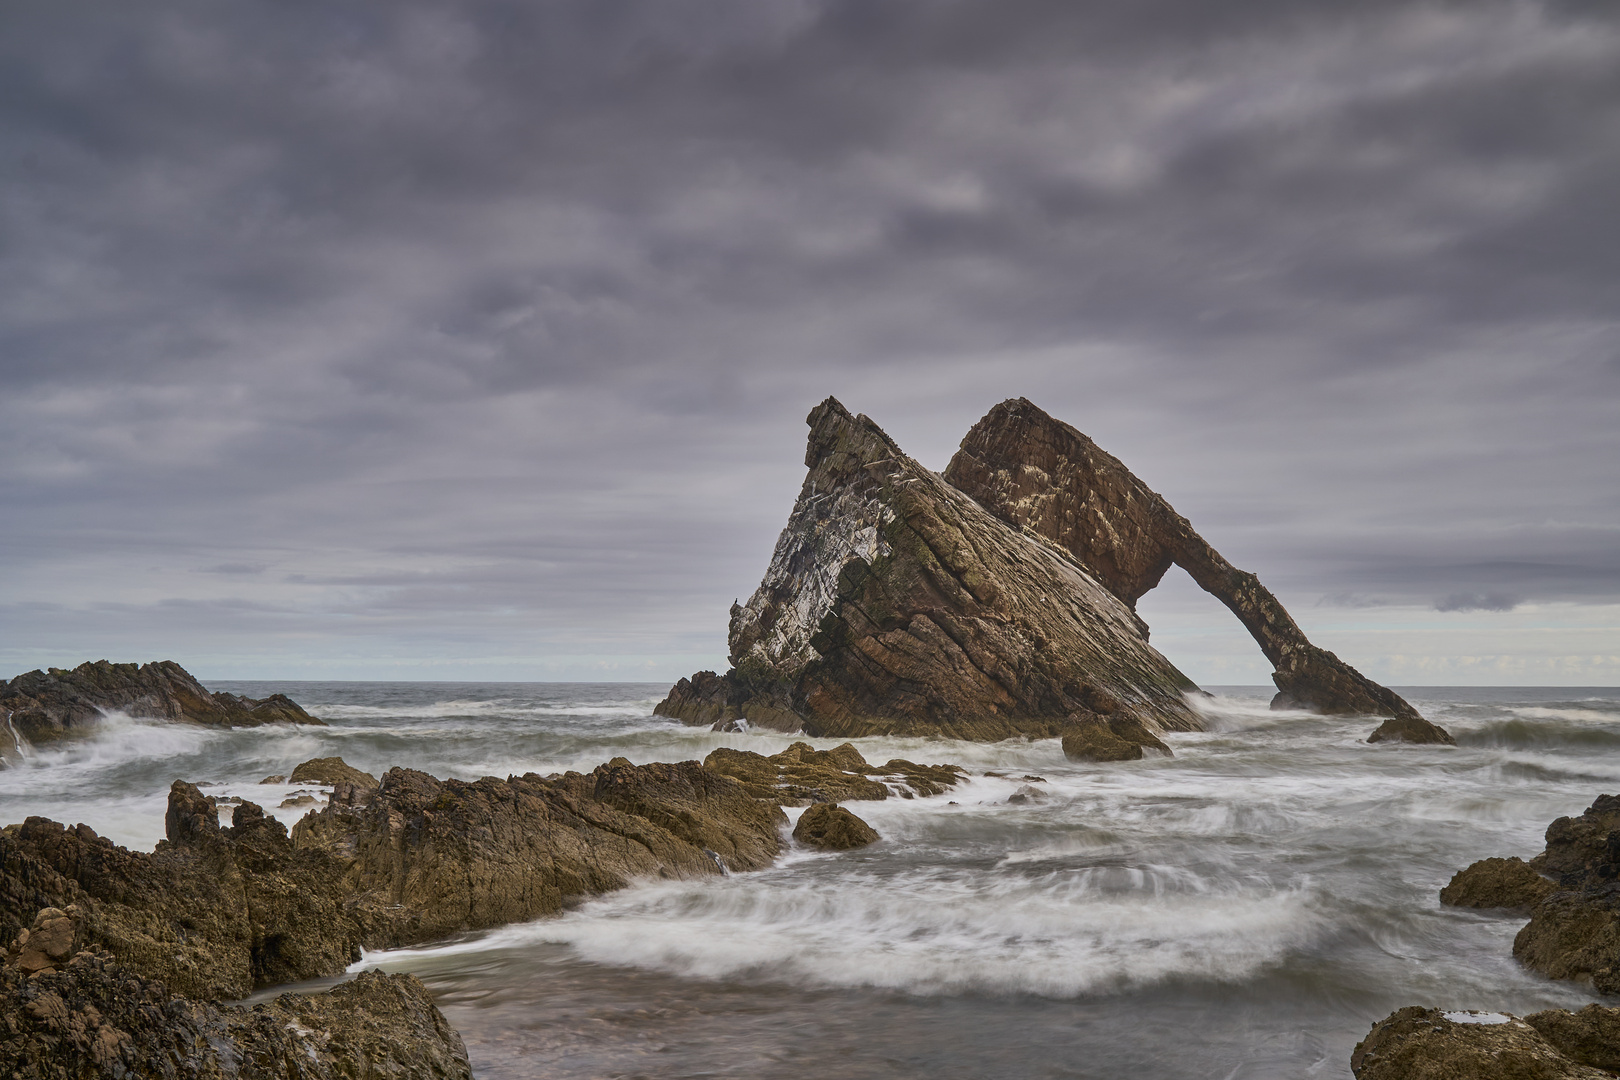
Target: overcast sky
{"x": 474, "y": 340}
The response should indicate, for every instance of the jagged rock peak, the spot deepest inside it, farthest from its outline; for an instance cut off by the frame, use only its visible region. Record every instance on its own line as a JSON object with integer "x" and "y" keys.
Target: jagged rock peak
{"x": 1036, "y": 472}
{"x": 895, "y": 603}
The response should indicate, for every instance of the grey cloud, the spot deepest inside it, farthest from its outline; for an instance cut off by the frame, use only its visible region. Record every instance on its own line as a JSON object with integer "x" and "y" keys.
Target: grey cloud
{"x": 498, "y": 313}
{"x": 1476, "y": 602}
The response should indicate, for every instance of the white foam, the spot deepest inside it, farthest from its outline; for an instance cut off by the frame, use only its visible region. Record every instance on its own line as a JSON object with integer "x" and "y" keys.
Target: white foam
{"x": 1058, "y": 935}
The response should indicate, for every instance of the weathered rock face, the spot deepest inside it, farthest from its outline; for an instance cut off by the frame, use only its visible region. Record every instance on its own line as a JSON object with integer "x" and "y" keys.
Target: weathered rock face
{"x": 1590, "y": 1036}
{"x": 1497, "y": 883}
{"x": 830, "y": 827}
{"x": 1574, "y": 928}
{"x": 801, "y": 775}
{"x": 330, "y": 770}
{"x": 1110, "y": 738}
{"x": 95, "y": 1018}
{"x": 895, "y": 604}
{"x": 215, "y": 912}
{"x": 1425, "y": 1044}
{"x": 49, "y": 705}
{"x": 1035, "y": 472}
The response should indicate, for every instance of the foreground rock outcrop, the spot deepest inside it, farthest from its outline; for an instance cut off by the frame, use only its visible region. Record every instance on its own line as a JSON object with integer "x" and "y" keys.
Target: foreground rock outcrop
{"x": 215, "y": 912}
{"x": 1572, "y": 892}
{"x": 95, "y": 1018}
{"x": 1035, "y": 472}
{"x": 895, "y": 604}
{"x": 1428, "y": 1044}
{"x": 801, "y": 775}
{"x": 45, "y": 706}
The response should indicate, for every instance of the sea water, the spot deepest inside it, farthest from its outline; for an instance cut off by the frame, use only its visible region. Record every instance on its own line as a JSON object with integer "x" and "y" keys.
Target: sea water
{"x": 1244, "y": 909}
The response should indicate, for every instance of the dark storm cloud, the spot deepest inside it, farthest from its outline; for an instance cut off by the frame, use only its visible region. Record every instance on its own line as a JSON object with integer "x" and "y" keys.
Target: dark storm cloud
{"x": 496, "y": 322}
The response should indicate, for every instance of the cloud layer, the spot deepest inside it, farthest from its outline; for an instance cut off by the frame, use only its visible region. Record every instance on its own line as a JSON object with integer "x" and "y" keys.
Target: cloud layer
{"x": 430, "y": 338}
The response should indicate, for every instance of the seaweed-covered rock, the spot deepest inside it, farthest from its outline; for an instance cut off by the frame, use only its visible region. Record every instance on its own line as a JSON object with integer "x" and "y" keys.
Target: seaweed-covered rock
{"x": 802, "y": 774}
{"x": 1116, "y": 737}
{"x": 330, "y": 770}
{"x": 48, "y": 705}
{"x": 894, "y": 603}
{"x": 1038, "y": 473}
{"x": 1497, "y": 883}
{"x": 1415, "y": 1043}
{"x": 95, "y": 1018}
{"x": 830, "y": 827}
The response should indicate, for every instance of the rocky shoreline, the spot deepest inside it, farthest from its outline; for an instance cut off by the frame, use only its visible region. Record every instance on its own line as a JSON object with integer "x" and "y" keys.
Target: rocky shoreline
{"x": 1571, "y": 891}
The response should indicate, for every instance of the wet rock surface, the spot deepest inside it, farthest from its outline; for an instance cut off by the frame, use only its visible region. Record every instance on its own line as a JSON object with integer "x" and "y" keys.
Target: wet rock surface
{"x": 893, "y": 603}
{"x": 1038, "y": 473}
{"x": 1411, "y": 729}
{"x": 1497, "y": 883}
{"x": 95, "y": 1018}
{"x": 1427, "y": 1044}
{"x": 50, "y": 705}
{"x": 215, "y": 912}
{"x": 801, "y": 774}
{"x": 830, "y": 827}
{"x": 1572, "y": 891}
{"x": 330, "y": 770}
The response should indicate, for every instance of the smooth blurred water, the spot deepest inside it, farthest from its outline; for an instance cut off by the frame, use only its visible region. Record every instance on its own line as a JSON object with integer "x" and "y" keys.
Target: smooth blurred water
{"x": 1244, "y": 909}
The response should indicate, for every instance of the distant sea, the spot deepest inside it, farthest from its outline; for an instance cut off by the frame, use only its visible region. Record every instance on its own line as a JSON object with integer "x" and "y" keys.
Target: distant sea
{"x": 1242, "y": 910}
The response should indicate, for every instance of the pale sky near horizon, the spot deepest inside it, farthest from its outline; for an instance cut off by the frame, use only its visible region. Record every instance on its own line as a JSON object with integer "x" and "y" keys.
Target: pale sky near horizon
{"x": 474, "y": 341}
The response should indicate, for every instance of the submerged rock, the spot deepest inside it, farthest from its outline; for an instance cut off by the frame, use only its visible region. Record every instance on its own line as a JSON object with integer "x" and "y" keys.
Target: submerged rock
{"x": 1427, "y": 1044}
{"x": 95, "y": 1018}
{"x": 1497, "y": 883}
{"x": 1411, "y": 729}
{"x": 895, "y": 604}
{"x": 802, "y": 774}
{"x": 330, "y": 770}
{"x": 830, "y": 827}
{"x": 48, "y": 705}
{"x": 1035, "y": 472}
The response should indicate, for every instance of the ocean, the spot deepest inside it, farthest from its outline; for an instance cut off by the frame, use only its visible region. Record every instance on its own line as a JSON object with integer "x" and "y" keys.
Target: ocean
{"x": 1245, "y": 909}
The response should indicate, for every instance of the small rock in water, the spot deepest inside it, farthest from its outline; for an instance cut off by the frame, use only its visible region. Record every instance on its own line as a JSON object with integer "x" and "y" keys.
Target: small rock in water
{"x": 832, "y": 828}
{"x": 1026, "y": 794}
{"x": 277, "y": 779}
{"x": 331, "y": 770}
{"x": 298, "y": 800}
{"x": 1497, "y": 883}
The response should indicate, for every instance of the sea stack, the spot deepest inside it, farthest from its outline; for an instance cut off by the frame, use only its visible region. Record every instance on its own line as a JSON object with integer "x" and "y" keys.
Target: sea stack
{"x": 1038, "y": 473}
{"x": 894, "y": 603}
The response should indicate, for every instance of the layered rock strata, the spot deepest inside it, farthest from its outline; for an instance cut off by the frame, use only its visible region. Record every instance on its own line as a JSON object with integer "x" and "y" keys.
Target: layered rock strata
{"x": 801, "y": 775}
{"x": 896, "y": 604}
{"x": 95, "y": 1018}
{"x": 1038, "y": 473}
{"x": 215, "y": 912}
{"x": 1428, "y": 1044}
{"x": 1572, "y": 892}
{"x": 45, "y": 706}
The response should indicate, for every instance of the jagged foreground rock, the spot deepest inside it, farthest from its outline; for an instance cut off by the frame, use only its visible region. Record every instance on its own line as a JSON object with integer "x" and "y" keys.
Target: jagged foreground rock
{"x": 1572, "y": 892}
{"x": 896, "y": 604}
{"x": 94, "y": 1018}
{"x": 1036, "y": 472}
{"x": 215, "y": 912}
{"x": 1427, "y": 1044}
{"x": 45, "y": 706}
